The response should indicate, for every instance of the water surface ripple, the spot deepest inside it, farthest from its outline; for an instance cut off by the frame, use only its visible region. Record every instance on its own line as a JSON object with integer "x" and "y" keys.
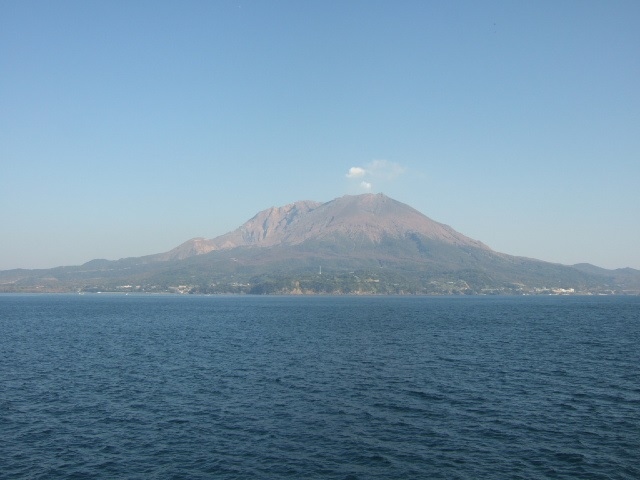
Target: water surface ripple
{"x": 108, "y": 386}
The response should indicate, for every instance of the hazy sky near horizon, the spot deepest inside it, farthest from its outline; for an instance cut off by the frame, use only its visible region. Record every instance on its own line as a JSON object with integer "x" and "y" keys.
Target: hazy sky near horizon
{"x": 128, "y": 127}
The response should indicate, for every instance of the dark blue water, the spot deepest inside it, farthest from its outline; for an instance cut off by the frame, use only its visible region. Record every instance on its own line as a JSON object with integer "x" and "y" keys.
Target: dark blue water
{"x": 165, "y": 387}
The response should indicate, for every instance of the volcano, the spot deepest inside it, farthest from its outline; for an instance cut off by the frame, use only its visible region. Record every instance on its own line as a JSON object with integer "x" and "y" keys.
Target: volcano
{"x": 361, "y": 244}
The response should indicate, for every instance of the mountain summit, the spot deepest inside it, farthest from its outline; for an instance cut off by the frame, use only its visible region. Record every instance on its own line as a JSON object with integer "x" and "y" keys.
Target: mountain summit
{"x": 369, "y": 218}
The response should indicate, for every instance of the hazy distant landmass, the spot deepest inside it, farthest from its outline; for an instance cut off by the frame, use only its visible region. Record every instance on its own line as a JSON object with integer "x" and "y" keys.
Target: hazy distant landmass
{"x": 363, "y": 244}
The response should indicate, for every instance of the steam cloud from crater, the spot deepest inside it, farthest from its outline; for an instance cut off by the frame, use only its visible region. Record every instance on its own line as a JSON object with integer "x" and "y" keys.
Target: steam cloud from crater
{"x": 378, "y": 170}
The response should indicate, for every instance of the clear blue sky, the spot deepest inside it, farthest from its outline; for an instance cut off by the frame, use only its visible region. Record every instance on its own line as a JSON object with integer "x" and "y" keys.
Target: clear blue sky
{"x": 128, "y": 127}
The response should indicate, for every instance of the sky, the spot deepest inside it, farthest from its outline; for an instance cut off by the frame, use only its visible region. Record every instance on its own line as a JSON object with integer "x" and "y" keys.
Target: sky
{"x": 129, "y": 127}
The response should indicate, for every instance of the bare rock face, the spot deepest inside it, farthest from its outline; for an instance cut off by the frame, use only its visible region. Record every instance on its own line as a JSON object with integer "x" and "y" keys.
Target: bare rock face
{"x": 370, "y": 217}
{"x": 269, "y": 227}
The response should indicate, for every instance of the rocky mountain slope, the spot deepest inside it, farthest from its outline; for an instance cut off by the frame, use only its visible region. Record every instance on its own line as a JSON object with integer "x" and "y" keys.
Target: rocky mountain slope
{"x": 361, "y": 218}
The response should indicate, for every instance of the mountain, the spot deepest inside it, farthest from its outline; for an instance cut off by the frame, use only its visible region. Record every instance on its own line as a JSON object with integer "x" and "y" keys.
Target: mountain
{"x": 353, "y": 244}
{"x": 364, "y": 218}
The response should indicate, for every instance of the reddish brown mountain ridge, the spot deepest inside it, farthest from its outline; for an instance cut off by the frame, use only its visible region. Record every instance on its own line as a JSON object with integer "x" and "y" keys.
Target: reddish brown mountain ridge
{"x": 369, "y": 217}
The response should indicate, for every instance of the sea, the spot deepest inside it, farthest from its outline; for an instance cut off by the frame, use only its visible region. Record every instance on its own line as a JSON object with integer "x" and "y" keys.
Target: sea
{"x": 336, "y": 387}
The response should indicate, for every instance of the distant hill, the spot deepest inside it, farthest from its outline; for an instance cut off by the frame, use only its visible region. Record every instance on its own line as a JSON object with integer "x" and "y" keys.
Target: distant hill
{"x": 364, "y": 244}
